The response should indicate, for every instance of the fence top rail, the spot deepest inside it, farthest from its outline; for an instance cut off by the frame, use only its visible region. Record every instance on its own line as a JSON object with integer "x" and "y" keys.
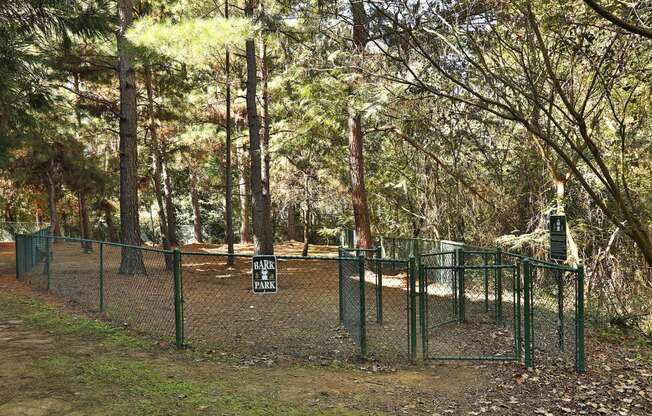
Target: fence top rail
{"x": 471, "y": 267}
{"x": 510, "y": 254}
{"x": 484, "y": 251}
{"x": 360, "y": 249}
{"x": 552, "y": 266}
{"x": 439, "y": 253}
{"x": 278, "y": 256}
{"x": 106, "y": 243}
{"x": 394, "y": 261}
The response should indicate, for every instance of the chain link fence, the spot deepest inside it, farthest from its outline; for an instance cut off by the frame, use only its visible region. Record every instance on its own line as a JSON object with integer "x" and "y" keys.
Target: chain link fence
{"x": 554, "y": 315}
{"x": 451, "y": 305}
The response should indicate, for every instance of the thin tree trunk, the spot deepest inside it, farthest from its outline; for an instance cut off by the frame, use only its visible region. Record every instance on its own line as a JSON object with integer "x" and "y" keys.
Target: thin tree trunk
{"x": 306, "y": 220}
{"x": 228, "y": 177}
{"x": 263, "y": 243}
{"x": 157, "y": 163}
{"x": 291, "y": 226}
{"x": 170, "y": 208}
{"x": 131, "y": 260}
{"x": 245, "y": 197}
{"x": 356, "y": 161}
{"x": 52, "y": 205}
{"x": 85, "y": 224}
{"x": 194, "y": 200}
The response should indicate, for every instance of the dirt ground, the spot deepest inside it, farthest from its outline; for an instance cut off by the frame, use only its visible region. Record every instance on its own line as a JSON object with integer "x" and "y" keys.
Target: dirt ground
{"x": 56, "y": 361}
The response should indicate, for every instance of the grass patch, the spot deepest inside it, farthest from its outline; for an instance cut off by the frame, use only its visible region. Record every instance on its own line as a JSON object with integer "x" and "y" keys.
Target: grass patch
{"x": 129, "y": 386}
{"x": 48, "y": 317}
{"x": 119, "y": 379}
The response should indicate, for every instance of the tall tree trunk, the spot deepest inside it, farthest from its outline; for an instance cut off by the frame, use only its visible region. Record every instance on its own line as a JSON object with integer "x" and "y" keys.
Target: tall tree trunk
{"x": 228, "y": 174}
{"x": 306, "y": 220}
{"x": 291, "y": 226}
{"x": 131, "y": 260}
{"x": 52, "y": 205}
{"x": 265, "y": 153}
{"x": 356, "y": 161}
{"x": 245, "y": 197}
{"x": 157, "y": 163}
{"x": 263, "y": 243}
{"x": 194, "y": 201}
{"x": 170, "y": 207}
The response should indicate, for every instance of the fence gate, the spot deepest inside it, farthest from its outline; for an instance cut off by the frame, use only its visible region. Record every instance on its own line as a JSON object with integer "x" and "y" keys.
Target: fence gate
{"x": 470, "y": 306}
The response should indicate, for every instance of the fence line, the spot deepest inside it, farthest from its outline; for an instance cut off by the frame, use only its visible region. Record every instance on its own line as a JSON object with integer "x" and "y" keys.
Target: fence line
{"x": 453, "y": 304}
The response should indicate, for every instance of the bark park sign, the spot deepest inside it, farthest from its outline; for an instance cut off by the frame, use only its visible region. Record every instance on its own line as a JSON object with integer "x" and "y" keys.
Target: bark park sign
{"x": 263, "y": 274}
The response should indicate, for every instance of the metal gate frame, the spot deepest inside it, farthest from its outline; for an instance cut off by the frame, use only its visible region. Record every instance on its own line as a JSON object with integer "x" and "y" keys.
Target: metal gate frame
{"x": 458, "y": 291}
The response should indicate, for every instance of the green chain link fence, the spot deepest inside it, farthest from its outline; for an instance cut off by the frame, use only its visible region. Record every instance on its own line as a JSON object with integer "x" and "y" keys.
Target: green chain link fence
{"x": 451, "y": 305}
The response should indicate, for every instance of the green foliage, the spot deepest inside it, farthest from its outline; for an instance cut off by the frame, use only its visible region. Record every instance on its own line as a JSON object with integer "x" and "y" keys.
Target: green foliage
{"x": 194, "y": 41}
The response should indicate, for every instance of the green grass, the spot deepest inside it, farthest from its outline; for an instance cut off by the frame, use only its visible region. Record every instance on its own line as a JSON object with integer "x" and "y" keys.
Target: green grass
{"x": 138, "y": 388}
{"x": 48, "y": 317}
{"x": 127, "y": 376}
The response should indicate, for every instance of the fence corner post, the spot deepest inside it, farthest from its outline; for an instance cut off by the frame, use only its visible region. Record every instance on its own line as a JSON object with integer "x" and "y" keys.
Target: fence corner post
{"x": 527, "y": 312}
{"x": 580, "y": 359}
{"x": 413, "y": 308}
{"x": 499, "y": 286}
{"x": 340, "y": 283}
{"x": 460, "y": 284}
{"x": 363, "y": 311}
{"x": 379, "y": 285}
{"x": 18, "y": 257}
{"x": 423, "y": 300}
{"x": 101, "y": 277}
{"x": 178, "y": 299}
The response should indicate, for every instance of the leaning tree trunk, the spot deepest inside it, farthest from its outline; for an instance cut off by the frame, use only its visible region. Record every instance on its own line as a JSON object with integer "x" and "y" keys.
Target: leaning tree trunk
{"x": 263, "y": 243}
{"x": 356, "y": 161}
{"x": 132, "y": 260}
{"x": 245, "y": 197}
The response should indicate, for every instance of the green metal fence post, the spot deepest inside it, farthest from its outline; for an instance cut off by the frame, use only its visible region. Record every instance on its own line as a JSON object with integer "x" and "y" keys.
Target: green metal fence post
{"x": 101, "y": 276}
{"x": 18, "y": 259}
{"x": 485, "y": 263}
{"x": 461, "y": 284}
{"x": 48, "y": 262}
{"x": 413, "y": 308}
{"x": 379, "y": 286}
{"x": 499, "y": 286}
{"x": 580, "y": 358}
{"x": 341, "y": 283}
{"x": 517, "y": 311}
{"x": 527, "y": 277}
{"x": 454, "y": 279}
{"x": 178, "y": 299}
{"x": 363, "y": 310}
{"x": 559, "y": 275}
{"x": 423, "y": 299}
